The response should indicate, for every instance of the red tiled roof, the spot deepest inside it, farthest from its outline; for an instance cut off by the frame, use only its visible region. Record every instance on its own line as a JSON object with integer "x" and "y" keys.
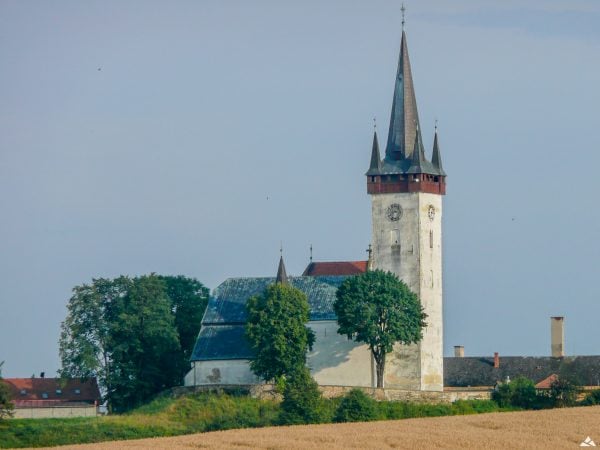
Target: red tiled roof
{"x": 547, "y": 382}
{"x": 315, "y": 269}
{"x": 30, "y": 391}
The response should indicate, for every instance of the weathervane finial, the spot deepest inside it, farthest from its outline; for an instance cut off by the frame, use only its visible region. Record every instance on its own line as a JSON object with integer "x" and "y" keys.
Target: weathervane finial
{"x": 403, "y": 9}
{"x": 375, "y": 123}
{"x": 281, "y": 248}
{"x": 436, "y": 122}
{"x": 310, "y": 252}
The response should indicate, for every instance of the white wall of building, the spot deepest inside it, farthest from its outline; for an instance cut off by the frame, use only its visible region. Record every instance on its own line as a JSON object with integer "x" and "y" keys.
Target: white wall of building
{"x": 57, "y": 411}
{"x": 334, "y": 360}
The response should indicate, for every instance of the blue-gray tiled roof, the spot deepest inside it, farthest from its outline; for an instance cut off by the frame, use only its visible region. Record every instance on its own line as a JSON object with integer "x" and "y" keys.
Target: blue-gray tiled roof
{"x": 221, "y": 342}
{"x": 222, "y": 332}
{"x": 227, "y": 305}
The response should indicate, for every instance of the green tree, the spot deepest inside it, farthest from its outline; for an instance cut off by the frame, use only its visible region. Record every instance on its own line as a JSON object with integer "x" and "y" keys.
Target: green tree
{"x": 302, "y": 402}
{"x": 84, "y": 345}
{"x": 144, "y": 344}
{"x": 122, "y": 331}
{"x": 277, "y": 332}
{"x": 6, "y": 405}
{"x": 380, "y": 310}
{"x": 520, "y": 393}
{"x": 188, "y": 298}
{"x": 564, "y": 392}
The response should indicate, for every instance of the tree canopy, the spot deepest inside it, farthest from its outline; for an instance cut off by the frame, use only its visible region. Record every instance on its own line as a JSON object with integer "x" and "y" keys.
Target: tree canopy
{"x": 135, "y": 335}
{"x": 277, "y": 331}
{"x": 6, "y": 405}
{"x": 380, "y": 310}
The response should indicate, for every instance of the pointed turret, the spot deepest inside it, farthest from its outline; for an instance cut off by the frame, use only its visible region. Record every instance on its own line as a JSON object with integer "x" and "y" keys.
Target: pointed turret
{"x": 281, "y": 274}
{"x": 436, "y": 158}
{"x": 404, "y": 119}
{"x": 375, "y": 166}
{"x": 418, "y": 161}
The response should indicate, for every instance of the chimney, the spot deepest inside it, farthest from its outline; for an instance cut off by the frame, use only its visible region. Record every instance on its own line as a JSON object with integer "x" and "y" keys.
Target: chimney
{"x": 496, "y": 360}
{"x": 557, "y": 336}
{"x": 459, "y": 351}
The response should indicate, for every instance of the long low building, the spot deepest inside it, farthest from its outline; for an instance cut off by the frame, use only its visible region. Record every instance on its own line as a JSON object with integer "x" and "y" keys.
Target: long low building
{"x": 53, "y": 397}
{"x": 487, "y": 371}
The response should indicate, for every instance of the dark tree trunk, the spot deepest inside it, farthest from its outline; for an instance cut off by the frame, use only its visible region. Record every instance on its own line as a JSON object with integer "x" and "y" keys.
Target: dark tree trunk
{"x": 380, "y": 367}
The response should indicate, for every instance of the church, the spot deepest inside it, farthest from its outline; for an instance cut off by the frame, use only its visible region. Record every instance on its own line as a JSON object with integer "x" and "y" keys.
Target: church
{"x": 406, "y": 190}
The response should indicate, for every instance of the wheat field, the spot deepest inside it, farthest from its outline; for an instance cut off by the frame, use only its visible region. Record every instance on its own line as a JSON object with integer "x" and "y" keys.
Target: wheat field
{"x": 548, "y": 429}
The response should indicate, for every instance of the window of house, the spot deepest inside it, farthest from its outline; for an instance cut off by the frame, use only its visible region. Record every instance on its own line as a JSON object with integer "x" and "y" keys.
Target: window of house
{"x": 430, "y": 238}
{"x": 77, "y": 391}
{"x": 44, "y": 395}
{"x": 58, "y": 392}
{"x": 23, "y": 392}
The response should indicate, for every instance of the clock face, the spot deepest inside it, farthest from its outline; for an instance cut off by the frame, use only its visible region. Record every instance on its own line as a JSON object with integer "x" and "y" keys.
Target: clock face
{"x": 431, "y": 212}
{"x": 394, "y": 212}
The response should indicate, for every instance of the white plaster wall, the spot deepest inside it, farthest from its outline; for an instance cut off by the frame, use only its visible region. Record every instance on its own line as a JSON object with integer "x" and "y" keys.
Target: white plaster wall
{"x": 420, "y": 267}
{"x": 233, "y": 371}
{"x": 336, "y": 360}
{"x": 58, "y": 411}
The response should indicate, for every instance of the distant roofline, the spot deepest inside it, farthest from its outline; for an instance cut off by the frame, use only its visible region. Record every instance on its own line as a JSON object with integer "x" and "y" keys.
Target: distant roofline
{"x": 335, "y": 268}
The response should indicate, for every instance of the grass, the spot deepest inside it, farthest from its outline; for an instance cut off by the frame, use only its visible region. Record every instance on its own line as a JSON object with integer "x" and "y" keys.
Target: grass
{"x": 531, "y": 430}
{"x": 195, "y": 413}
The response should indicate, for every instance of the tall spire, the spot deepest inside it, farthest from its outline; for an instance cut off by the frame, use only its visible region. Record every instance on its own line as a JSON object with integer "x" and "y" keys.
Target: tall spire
{"x": 375, "y": 166}
{"x": 281, "y": 274}
{"x": 436, "y": 157}
{"x": 404, "y": 119}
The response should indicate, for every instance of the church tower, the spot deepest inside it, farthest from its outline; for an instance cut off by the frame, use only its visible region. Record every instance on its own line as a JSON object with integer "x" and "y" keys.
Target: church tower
{"x": 406, "y": 192}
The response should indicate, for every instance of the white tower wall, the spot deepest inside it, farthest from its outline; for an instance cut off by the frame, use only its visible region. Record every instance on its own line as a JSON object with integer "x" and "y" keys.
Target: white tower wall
{"x": 411, "y": 248}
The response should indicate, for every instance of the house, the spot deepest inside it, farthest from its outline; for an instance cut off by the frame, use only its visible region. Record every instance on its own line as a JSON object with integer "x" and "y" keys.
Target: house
{"x": 53, "y": 397}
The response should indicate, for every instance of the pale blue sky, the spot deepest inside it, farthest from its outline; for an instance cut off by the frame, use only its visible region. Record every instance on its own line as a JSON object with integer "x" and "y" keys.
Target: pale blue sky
{"x": 191, "y": 137}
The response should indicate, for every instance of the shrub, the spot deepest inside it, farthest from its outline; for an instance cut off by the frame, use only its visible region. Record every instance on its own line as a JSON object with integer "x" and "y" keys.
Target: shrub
{"x": 563, "y": 392}
{"x": 302, "y": 402}
{"x": 502, "y": 395}
{"x": 523, "y": 393}
{"x": 592, "y": 398}
{"x": 356, "y": 406}
{"x": 520, "y": 393}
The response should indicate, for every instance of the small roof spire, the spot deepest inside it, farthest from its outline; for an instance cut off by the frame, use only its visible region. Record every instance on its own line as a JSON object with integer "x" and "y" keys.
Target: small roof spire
{"x": 436, "y": 157}
{"x": 281, "y": 273}
{"x": 375, "y": 166}
{"x": 418, "y": 155}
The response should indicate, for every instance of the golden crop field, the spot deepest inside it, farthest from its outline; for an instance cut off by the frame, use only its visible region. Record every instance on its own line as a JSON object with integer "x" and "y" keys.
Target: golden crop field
{"x": 548, "y": 429}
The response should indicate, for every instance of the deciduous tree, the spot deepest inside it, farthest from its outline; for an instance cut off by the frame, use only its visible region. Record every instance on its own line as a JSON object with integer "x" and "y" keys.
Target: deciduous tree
{"x": 84, "y": 346}
{"x": 380, "y": 310}
{"x": 277, "y": 331}
{"x": 135, "y": 335}
{"x": 6, "y": 405}
{"x": 144, "y": 344}
{"x": 188, "y": 298}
